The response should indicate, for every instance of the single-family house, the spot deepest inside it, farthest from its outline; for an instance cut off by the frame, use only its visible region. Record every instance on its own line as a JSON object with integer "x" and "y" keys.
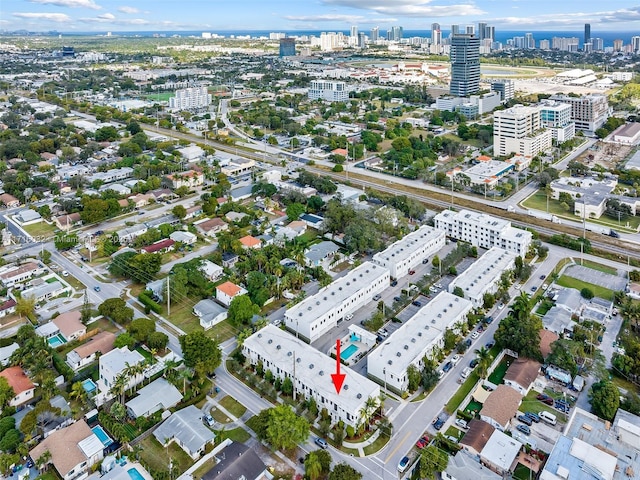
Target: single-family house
{"x": 73, "y": 450}
{"x": 501, "y": 406}
{"x": 477, "y": 436}
{"x": 227, "y": 291}
{"x": 500, "y": 452}
{"x": 100, "y": 344}
{"x": 113, "y": 363}
{"x": 23, "y": 387}
{"x": 67, "y": 222}
{"x": 161, "y": 194}
{"x": 69, "y": 325}
{"x": 116, "y": 187}
{"x": 27, "y": 217}
{"x": 229, "y": 259}
{"x": 186, "y": 238}
{"x": 211, "y": 226}
{"x": 298, "y": 226}
{"x": 249, "y": 242}
{"x": 321, "y": 254}
{"x": 210, "y": 270}
{"x": 237, "y": 461}
{"x": 45, "y": 291}
{"x": 521, "y": 374}
{"x": 463, "y": 466}
{"x": 6, "y": 352}
{"x": 189, "y": 179}
{"x": 141, "y": 199}
{"x": 209, "y": 313}
{"x": 158, "y": 395}
{"x": 13, "y": 274}
{"x": 129, "y": 234}
{"x": 235, "y": 216}
{"x": 9, "y": 200}
{"x": 186, "y": 429}
{"x": 193, "y": 212}
{"x": 7, "y": 307}
{"x": 162, "y": 246}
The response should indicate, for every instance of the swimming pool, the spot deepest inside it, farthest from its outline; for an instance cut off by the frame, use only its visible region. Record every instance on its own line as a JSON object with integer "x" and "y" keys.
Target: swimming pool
{"x": 56, "y": 341}
{"x": 89, "y": 385}
{"x": 134, "y": 474}
{"x": 102, "y": 435}
{"x": 348, "y": 352}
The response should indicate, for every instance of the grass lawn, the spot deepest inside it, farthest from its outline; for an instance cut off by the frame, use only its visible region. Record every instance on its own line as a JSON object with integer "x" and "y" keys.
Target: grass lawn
{"x": 544, "y": 307}
{"x": 41, "y": 229}
{"x": 599, "y": 267}
{"x": 204, "y": 468}
{"x": 251, "y": 423}
{"x": 158, "y": 457}
{"x": 219, "y": 416}
{"x": 462, "y": 392}
{"x": 50, "y": 475}
{"x": 523, "y": 473}
{"x": 104, "y": 325}
{"x": 501, "y": 369}
{"x": 238, "y": 434}
{"x": 598, "y": 291}
{"x": 74, "y": 282}
{"x": 530, "y": 404}
{"x": 234, "y": 407}
{"x": 454, "y": 432}
{"x": 182, "y": 317}
{"x": 159, "y": 97}
{"x": 379, "y": 442}
{"x": 473, "y": 407}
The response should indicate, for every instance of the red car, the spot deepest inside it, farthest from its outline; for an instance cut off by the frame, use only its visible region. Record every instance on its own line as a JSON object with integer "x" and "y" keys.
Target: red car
{"x": 423, "y": 442}
{"x": 411, "y": 272}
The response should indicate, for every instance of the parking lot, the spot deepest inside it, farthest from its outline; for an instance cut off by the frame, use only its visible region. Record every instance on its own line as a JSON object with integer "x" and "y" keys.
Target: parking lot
{"x": 596, "y": 277}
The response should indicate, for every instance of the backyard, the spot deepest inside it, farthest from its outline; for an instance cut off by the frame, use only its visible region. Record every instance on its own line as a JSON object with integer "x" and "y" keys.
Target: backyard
{"x": 157, "y": 457}
{"x": 182, "y": 317}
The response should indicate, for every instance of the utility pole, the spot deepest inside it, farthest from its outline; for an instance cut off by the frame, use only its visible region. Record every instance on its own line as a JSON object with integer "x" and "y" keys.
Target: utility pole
{"x": 168, "y": 297}
{"x": 294, "y": 375}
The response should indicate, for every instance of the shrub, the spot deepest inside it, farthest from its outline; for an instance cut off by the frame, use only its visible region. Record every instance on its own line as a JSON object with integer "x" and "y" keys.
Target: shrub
{"x": 148, "y": 302}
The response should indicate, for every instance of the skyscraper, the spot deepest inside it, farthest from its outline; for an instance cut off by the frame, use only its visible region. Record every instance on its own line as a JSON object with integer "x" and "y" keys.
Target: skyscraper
{"x": 436, "y": 34}
{"x": 529, "y": 41}
{"x": 455, "y": 29}
{"x": 470, "y": 30}
{"x": 635, "y": 44}
{"x": 287, "y": 47}
{"x": 587, "y": 32}
{"x": 362, "y": 40}
{"x": 482, "y": 30}
{"x": 465, "y": 65}
{"x": 354, "y": 31}
{"x": 375, "y": 34}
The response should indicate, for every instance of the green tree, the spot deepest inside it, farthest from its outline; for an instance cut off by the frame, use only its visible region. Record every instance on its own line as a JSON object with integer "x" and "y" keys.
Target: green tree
{"x": 605, "y": 399}
{"x": 157, "y": 340}
{"x": 286, "y": 429}
{"x": 432, "y": 461}
{"x": 45, "y": 256}
{"x": 26, "y": 306}
{"x": 317, "y": 464}
{"x": 586, "y": 293}
{"x": 414, "y": 377}
{"x": 6, "y": 393}
{"x": 124, "y": 340}
{"x": 200, "y": 352}
{"x": 65, "y": 241}
{"x": 242, "y": 310}
{"x": 179, "y": 211}
{"x": 484, "y": 361}
{"x": 141, "y": 328}
{"x": 116, "y": 309}
{"x": 342, "y": 471}
{"x": 85, "y": 311}
{"x": 458, "y": 291}
{"x": 294, "y": 211}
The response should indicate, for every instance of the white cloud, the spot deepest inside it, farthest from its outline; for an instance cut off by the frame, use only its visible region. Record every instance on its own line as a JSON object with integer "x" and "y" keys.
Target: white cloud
{"x": 573, "y": 19}
{"x": 409, "y": 8}
{"x": 70, "y": 3}
{"x": 126, "y": 9}
{"x": 51, "y": 17}
{"x": 335, "y": 17}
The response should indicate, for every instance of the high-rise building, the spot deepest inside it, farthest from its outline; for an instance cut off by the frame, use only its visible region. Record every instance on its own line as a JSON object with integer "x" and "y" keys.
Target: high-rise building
{"x": 490, "y": 32}
{"x": 506, "y": 89}
{"x": 529, "y": 41}
{"x": 455, "y": 29}
{"x": 566, "y": 44}
{"x": 362, "y": 40}
{"x": 396, "y": 33}
{"x": 556, "y": 116}
{"x": 587, "y": 32}
{"x": 545, "y": 44}
{"x": 465, "y": 65}
{"x": 635, "y": 44}
{"x": 436, "y": 35}
{"x": 519, "y": 130}
{"x": 189, "y": 98}
{"x": 470, "y": 30}
{"x": 617, "y": 45}
{"x": 354, "y": 31}
{"x": 482, "y": 28}
{"x": 331, "y": 91}
{"x": 287, "y": 47}
{"x": 597, "y": 44}
{"x": 589, "y": 112}
{"x": 374, "y": 35}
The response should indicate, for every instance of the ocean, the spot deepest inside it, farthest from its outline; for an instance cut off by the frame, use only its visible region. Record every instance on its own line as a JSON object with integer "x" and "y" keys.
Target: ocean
{"x": 501, "y": 35}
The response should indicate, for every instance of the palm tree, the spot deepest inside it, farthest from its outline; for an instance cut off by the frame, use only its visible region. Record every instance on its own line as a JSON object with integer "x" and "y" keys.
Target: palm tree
{"x": 119, "y": 387}
{"x": 78, "y": 393}
{"x": 184, "y": 374}
{"x": 484, "y": 361}
{"x": 521, "y": 307}
{"x": 25, "y": 306}
{"x": 312, "y": 467}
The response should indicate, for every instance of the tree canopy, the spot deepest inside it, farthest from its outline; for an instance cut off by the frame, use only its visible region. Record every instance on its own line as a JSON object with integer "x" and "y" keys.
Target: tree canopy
{"x": 200, "y": 352}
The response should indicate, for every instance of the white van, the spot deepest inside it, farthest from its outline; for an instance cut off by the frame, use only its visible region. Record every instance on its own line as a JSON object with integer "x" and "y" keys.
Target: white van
{"x": 550, "y": 418}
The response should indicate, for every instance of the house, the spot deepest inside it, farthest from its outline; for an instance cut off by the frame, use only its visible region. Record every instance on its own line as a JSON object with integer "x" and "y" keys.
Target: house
{"x": 100, "y": 344}
{"x": 209, "y": 313}
{"x": 13, "y": 274}
{"x": 123, "y": 202}
{"x": 312, "y": 220}
{"x": 321, "y": 254}
{"x": 227, "y": 291}
{"x": 129, "y": 234}
{"x": 210, "y": 270}
{"x": 158, "y": 395}
{"x": 118, "y": 188}
{"x": 161, "y": 194}
{"x": 465, "y": 467}
{"x": 558, "y": 320}
{"x": 162, "y": 246}
{"x": 113, "y": 363}
{"x": 69, "y": 325}
{"x": 500, "y": 452}
{"x": 157, "y": 288}
{"x": 167, "y": 219}
{"x": 546, "y": 340}
{"x": 9, "y": 200}
{"x": 186, "y": 429}
{"x": 193, "y": 212}
{"x": 6, "y": 352}
{"x": 73, "y": 450}
{"x": 250, "y": 242}
{"x": 211, "y": 226}
{"x": 188, "y": 179}
{"x": 7, "y": 307}
{"x": 235, "y": 216}
{"x": 45, "y": 291}
{"x": 186, "y": 238}
{"x": 141, "y": 200}
{"x": 237, "y": 461}
{"x": 27, "y": 217}
{"x": 570, "y": 300}
{"x": 501, "y": 406}
{"x": 67, "y": 222}
{"x": 229, "y": 259}
{"x": 23, "y": 387}
{"x": 298, "y": 226}
{"x": 47, "y": 330}
{"x": 521, "y": 374}
{"x": 476, "y": 436}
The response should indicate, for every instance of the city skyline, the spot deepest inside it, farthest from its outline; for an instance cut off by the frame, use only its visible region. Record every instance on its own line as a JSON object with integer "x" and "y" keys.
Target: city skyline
{"x": 124, "y": 15}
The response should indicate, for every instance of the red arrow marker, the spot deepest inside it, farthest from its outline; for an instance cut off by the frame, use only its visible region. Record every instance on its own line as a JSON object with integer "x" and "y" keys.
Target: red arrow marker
{"x": 338, "y": 378}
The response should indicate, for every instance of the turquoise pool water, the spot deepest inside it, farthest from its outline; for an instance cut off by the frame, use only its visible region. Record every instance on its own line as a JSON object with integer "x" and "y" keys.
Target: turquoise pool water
{"x": 56, "y": 341}
{"x": 348, "y": 352}
{"x": 134, "y": 474}
{"x": 102, "y": 435}
{"x": 89, "y": 385}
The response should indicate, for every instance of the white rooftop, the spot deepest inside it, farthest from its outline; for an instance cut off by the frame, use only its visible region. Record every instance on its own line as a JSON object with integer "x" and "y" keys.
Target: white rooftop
{"x": 483, "y": 271}
{"x": 469, "y": 217}
{"x": 118, "y": 358}
{"x": 501, "y": 450}
{"x": 409, "y": 342}
{"x": 403, "y": 248}
{"x": 312, "y": 368}
{"x": 335, "y": 293}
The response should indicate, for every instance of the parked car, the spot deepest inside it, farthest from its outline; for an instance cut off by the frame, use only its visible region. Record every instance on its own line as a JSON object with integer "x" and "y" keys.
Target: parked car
{"x": 533, "y": 416}
{"x": 440, "y": 374}
{"x": 455, "y": 359}
{"x": 397, "y": 299}
{"x": 422, "y": 442}
{"x": 534, "y": 288}
{"x": 394, "y": 283}
{"x": 473, "y": 363}
{"x": 488, "y": 319}
{"x": 546, "y": 399}
{"x": 500, "y": 306}
{"x": 489, "y": 344}
{"x": 475, "y": 335}
{"x": 439, "y": 423}
{"x": 65, "y": 273}
{"x": 321, "y": 442}
{"x": 468, "y": 342}
{"x": 208, "y": 419}
{"x": 411, "y": 272}
{"x": 447, "y": 366}
{"x": 451, "y": 438}
{"x": 376, "y": 297}
{"x": 404, "y": 463}
{"x": 425, "y": 261}
{"x": 524, "y": 419}
{"x": 417, "y": 303}
{"x": 461, "y": 423}
{"x": 348, "y": 316}
{"x": 524, "y": 429}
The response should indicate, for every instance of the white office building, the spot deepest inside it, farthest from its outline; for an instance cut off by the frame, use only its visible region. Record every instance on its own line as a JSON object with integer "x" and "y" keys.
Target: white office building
{"x": 329, "y": 90}
{"x": 483, "y": 230}
{"x": 519, "y": 130}
{"x": 190, "y": 98}
{"x": 484, "y": 275}
{"x": 310, "y": 371}
{"x": 589, "y": 112}
{"x": 408, "y": 252}
{"x": 415, "y": 339}
{"x": 316, "y": 315}
{"x": 556, "y": 116}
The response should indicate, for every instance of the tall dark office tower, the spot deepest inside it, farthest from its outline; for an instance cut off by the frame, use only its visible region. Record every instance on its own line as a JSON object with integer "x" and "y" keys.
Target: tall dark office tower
{"x": 465, "y": 65}
{"x": 587, "y": 32}
{"x": 287, "y": 47}
{"x": 455, "y": 29}
{"x": 482, "y": 30}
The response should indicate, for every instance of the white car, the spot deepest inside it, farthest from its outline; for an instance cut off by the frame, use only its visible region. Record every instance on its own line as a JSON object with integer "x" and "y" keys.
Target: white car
{"x": 475, "y": 335}
{"x": 348, "y": 316}
{"x": 65, "y": 274}
{"x": 455, "y": 359}
{"x": 500, "y": 306}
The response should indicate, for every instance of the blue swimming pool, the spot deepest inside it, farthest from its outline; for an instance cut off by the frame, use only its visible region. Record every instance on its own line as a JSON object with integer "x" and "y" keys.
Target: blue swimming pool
{"x": 134, "y": 474}
{"x": 89, "y": 385}
{"x": 348, "y": 352}
{"x": 102, "y": 435}
{"x": 56, "y": 341}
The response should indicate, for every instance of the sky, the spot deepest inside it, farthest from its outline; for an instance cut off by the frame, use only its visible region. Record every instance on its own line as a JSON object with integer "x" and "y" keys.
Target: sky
{"x": 274, "y": 15}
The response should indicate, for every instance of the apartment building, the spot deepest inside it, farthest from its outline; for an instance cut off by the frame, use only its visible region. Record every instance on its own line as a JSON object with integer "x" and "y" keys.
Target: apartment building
{"x": 519, "y": 130}
{"x": 556, "y": 116}
{"x": 190, "y": 98}
{"x": 483, "y": 276}
{"x": 310, "y": 371}
{"x": 328, "y": 90}
{"x": 408, "y": 252}
{"x": 415, "y": 339}
{"x": 318, "y": 314}
{"x": 483, "y": 230}
{"x": 10, "y": 275}
{"x": 112, "y": 175}
{"x": 589, "y": 112}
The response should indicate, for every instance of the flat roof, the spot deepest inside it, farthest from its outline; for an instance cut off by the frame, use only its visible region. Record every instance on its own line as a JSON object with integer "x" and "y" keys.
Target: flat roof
{"x": 501, "y": 450}
{"x": 483, "y": 271}
{"x": 412, "y": 338}
{"x": 313, "y": 368}
{"x": 311, "y": 308}
{"x": 469, "y": 217}
{"x": 404, "y": 248}
{"x": 158, "y": 391}
{"x": 487, "y": 170}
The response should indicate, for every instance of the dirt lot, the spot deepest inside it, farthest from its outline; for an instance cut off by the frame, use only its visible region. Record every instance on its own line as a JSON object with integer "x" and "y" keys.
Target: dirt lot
{"x": 606, "y": 155}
